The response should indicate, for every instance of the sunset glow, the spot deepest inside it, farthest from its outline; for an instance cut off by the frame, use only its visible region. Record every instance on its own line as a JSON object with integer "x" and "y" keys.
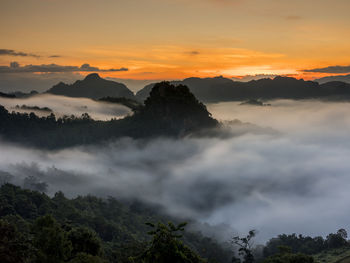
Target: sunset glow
{"x": 177, "y": 39}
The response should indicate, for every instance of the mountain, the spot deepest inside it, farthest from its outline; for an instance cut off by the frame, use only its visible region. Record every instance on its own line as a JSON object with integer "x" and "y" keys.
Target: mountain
{"x": 171, "y": 111}
{"x": 222, "y": 89}
{"x": 343, "y": 78}
{"x": 94, "y": 87}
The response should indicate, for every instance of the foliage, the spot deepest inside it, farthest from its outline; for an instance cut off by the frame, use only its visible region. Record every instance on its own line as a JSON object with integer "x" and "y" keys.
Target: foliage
{"x": 286, "y": 256}
{"x": 14, "y": 248}
{"x": 83, "y": 229}
{"x": 305, "y": 244}
{"x": 245, "y": 246}
{"x": 166, "y": 246}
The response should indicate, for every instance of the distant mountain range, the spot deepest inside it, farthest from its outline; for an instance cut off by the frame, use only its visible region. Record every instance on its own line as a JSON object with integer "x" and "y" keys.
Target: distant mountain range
{"x": 215, "y": 89}
{"x": 222, "y": 89}
{"x": 94, "y": 87}
{"x": 342, "y": 78}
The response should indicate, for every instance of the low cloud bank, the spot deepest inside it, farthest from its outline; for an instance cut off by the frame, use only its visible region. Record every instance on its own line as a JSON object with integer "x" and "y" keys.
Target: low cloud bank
{"x": 61, "y": 105}
{"x": 293, "y": 176}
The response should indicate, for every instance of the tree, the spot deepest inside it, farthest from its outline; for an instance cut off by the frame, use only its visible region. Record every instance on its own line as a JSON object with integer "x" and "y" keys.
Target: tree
{"x": 165, "y": 246}
{"x": 337, "y": 240}
{"x": 86, "y": 258}
{"x": 13, "y": 247}
{"x": 51, "y": 241}
{"x": 286, "y": 256}
{"x": 84, "y": 241}
{"x": 342, "y": 232}
{"x": 245, "y": 246}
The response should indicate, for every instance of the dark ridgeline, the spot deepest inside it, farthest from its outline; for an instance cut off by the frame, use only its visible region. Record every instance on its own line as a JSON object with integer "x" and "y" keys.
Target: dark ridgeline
{"x": 169, "y": 111}
{"x": 215, "y": 89}
{"x": 94, "y": 87}
{"x": 222, "y": 89}
{"x": 6, "y": 95}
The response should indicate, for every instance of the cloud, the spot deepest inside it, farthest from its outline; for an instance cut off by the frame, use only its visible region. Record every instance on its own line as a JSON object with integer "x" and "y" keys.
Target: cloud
{"x": 253, "y": 179}
{"x": 10, "y": 52}
{"x": 343, "y": 78}
{"x": 53, "y": 68}
{"x": 193, "y": 52}
{"x": 67, "y": 106}
{"x": 330, "y": 69}
{"x": 55, "y": 56}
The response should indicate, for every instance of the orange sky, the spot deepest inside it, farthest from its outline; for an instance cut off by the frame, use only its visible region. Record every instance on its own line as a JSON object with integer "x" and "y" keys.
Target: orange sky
{"x": 173, "y": 39}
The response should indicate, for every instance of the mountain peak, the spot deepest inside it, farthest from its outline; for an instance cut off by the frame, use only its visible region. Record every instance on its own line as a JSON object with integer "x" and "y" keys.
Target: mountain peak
{"x": 94, "y": 87}
{"x": 92, "y": 76}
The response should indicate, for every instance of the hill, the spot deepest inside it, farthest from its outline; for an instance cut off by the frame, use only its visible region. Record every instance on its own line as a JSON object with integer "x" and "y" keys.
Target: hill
{"x": 338, "y": 255}
{"x": 106, "y": 228}
{"x": 94, "y": 87}
{"x": 222, "y": 89}
{"x": 169, "y": 111}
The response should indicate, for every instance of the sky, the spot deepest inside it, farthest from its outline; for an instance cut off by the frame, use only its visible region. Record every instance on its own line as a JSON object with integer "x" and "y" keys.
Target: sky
{"x": 174, "y": 39}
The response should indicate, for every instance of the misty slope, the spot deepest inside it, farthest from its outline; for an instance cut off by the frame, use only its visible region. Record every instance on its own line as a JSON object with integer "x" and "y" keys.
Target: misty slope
{"x": 169, "y": 111}
{"x": 94, "y": 87}
{"x": 120, "y": 226}
{"x": 222, "y": 89}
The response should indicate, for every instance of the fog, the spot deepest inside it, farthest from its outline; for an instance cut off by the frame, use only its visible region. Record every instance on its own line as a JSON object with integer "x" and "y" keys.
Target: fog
{"x": 288, "y": 171}
{"x": 62, "y": 105}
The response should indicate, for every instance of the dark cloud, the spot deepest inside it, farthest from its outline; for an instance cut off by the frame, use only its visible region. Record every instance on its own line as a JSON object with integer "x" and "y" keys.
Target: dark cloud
{"x": 55, "y": 56}
{"x": 51, "y": 68}
{"x": 343, "y": 78}
{"x": 10, "y": 52}
{"x": 330, "y": 69}
{"x": 193, "y": 52}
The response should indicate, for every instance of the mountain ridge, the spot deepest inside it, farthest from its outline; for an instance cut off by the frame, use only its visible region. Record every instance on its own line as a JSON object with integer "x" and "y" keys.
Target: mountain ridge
{"x": 222, "y": 89}
{"x": 92, "y": 86}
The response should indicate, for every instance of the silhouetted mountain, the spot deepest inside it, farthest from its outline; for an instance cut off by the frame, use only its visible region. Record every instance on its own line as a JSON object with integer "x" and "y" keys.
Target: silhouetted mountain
{"x": 222, "y": 89}
{"x": 170, "y": 110}
{"x": 173, "y": 110}
{"x": 94, "y": 87}
{"x": 342, "y": 78}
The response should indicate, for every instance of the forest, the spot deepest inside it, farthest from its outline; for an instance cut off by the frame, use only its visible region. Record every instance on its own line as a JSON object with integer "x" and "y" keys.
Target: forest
{"x": 37, "y": 228}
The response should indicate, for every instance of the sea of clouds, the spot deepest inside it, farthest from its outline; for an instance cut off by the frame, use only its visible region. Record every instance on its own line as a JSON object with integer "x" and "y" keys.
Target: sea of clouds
{"x": 284, "y": 168}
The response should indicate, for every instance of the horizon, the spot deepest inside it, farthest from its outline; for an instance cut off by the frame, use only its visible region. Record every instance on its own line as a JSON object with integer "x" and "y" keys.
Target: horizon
{"x": 206, "y": 38}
